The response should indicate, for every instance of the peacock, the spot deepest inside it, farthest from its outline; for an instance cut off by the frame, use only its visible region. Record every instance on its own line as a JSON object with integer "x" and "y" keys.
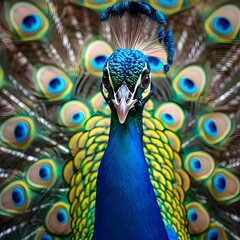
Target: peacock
{"x": 119, "y": 120}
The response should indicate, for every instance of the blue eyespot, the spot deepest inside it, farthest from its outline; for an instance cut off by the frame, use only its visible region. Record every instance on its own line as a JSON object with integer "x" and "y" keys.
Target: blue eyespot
{"x": 31, "y": 23}
{"x": 155, "y": 64}
{"x": 62, "y": 216}
{"x": 46, "y": 236}
{"x": 99, "y": 1}
{"x": 98, "y": 62}
{"x": 187, "y": 85}
{"x": 45, "y": 172}
{"x": 219, "y": 182}
{"x": 18, "y": 196}
{"x": 56, "y": 85}
{"x": 221, "y": 25}
{"x": 192, "y": 215}
{"x": 195, "y": 165}
{"x": 21, "y": 131}
{"x": 77, "y": 117}
{"x": 104, "y": 105}
{"x": 168, "y": 3}
{"x": 210, "y": 128}
{"x": 168, "y": 118}
{"x": 212, "y": 234}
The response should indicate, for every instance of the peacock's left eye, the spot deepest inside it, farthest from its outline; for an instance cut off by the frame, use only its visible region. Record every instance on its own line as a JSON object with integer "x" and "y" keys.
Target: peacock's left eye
{"x": 105, "y": 81}
{"x": 146, "y": 81}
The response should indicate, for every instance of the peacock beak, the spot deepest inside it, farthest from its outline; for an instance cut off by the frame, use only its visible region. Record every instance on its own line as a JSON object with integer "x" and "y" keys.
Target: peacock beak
{"x": 123, "y": 102}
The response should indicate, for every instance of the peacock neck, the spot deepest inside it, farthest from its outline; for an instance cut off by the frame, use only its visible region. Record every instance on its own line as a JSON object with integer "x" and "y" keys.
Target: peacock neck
{"x": 134, "y": 120}
{"x": 126, "y": 206}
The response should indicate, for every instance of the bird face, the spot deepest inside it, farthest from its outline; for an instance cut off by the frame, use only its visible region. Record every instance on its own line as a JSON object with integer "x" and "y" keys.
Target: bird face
{"x": 126, "y": 81}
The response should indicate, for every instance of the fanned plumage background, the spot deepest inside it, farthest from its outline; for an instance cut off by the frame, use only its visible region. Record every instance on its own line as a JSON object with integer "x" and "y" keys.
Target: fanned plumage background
{"x": 54, "y": 123}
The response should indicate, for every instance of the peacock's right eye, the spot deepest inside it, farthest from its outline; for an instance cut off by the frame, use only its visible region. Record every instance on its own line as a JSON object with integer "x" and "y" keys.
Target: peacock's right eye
{"x": 105, "y": 81}
{"x": 146, "y": 81}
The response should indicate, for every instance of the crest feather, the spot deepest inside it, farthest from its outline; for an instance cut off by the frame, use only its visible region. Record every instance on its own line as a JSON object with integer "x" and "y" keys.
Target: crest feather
{"x": 138, "y": 26}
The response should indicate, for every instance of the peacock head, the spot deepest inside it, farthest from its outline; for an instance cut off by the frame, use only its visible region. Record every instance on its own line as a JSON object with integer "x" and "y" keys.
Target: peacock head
{"x": 126, "y": 82}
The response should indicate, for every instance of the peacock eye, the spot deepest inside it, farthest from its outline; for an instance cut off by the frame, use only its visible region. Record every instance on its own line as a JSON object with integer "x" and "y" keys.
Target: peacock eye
{"x": 146, "y": 81}
{"x": 105, "y": 81}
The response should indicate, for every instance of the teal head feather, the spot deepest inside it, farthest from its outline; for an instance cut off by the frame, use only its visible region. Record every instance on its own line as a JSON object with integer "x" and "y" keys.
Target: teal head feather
{"x": 126, "y": 66}
{"x": 126, "y": 82}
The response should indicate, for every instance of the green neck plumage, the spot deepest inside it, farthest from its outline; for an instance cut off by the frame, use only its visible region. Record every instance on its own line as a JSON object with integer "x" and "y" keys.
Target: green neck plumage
{"x": 134, "y": 117}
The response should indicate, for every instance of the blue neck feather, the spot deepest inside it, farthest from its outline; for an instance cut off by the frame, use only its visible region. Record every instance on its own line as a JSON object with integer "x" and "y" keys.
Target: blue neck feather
{"x": 126, "y": 206}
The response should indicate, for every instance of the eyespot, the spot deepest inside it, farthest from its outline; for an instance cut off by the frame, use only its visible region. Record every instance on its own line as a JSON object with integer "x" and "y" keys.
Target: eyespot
{"x": 58, "y": 219}
{"x": 215, "y": 127}
{"x": 43, "y": 235}
{"x": 224, "y": 186}
{"x": 99, "y": 61}
{"x": 42, "y": 174}
{"x": 190, "y": 82}
{"x": 171, "y": 115}
{"x": 45, "y": 172}
{"x": 77, "y": 117}
{"x": 146, "y": 81}
{"x": 192, "y": 215}
{"x": 223, "y": 24}
{"x": 29, "y": 22}
{"x": 187, "y": 85}
{"x": 62, "y": 216}
{"x": 99, "y": 104}
{"x": 18, "y": 132}
{"x": 214, "y": 233}
{"x": 53, "y": 83}
{"x": 18, "y": 196}
{"x": 198, "y": 218}
{"x": 56, "y": 85}
{"x": 95, "y": 55}
{"x": 15, "y": 197}
{"x": 21, "y": 131}
{"x": 168, "y": 3}
{"x": 200, "y": 165}
{"x": 210, "y": 127}
{"x": 167, "y": 6}
{"x": 46, "y": 237}
{"x": 168, "y": 118}
{"x": 219, "y": 182}
{"x": 73, "y": 114}
{"x": 156, "y": 66}
{"x": 156, "y": 61}
{"x": 196, "y": 164}
{"x": 99, "y": 4}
